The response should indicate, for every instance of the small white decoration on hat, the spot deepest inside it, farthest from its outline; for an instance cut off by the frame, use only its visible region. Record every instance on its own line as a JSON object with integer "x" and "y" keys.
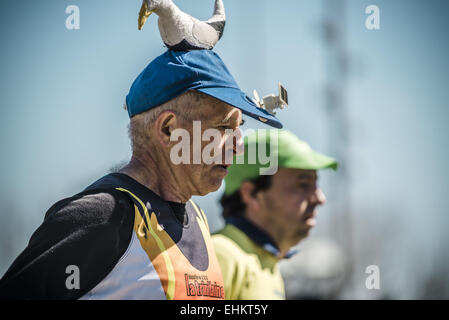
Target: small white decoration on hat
{"x": 272, "y": 102}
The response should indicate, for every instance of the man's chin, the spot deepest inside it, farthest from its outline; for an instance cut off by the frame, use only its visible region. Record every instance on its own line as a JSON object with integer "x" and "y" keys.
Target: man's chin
{"x": 213, "y": 186}
{"x": 302, "y": 234}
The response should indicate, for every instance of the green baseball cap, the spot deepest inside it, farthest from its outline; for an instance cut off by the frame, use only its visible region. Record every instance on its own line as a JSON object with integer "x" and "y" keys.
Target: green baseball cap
{"x": 291, "y": 152}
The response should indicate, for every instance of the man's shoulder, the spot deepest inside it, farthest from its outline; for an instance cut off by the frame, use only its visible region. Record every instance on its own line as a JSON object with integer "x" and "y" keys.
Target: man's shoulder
{"x": 230, "y": 241}
{"x": 107, "y": 212}
{"x": 97, "y": 205}
{"x": 90, "y": 230}
{"x": 99, "y": 200}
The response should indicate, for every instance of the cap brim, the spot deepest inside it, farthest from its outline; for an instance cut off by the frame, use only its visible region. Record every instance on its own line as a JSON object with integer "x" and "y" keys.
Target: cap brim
{"x": 313, "y": 161}
{"x": 320, "y": 161}
{"x": 240, "y": 100}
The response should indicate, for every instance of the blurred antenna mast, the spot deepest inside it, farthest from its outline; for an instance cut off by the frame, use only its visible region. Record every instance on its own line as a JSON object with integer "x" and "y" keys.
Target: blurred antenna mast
{"x": 335, "y": 89}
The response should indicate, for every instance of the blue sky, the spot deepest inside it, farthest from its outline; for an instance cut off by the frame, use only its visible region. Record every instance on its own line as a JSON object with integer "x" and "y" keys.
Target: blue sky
{"x": 63, "y": 125}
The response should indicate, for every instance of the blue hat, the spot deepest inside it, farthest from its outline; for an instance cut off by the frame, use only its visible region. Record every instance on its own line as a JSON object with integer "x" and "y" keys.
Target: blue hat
{"x": 176, "y": 72}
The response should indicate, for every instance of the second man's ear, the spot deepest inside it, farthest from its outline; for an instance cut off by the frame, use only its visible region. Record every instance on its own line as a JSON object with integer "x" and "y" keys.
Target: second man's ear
{"x": 248, "y": 196}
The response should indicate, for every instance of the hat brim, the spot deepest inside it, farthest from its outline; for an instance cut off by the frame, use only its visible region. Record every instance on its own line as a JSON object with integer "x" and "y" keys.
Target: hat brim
{"x": 240, "y": 100}
{"x": 314, "y": 161}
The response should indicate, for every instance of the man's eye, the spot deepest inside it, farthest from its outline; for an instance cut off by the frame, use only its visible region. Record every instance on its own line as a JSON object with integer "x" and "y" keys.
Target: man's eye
{"x": 304, "y": 186}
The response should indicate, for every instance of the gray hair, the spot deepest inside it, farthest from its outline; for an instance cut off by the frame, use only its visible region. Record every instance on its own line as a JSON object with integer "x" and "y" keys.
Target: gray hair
{"x": 184, "y": 106}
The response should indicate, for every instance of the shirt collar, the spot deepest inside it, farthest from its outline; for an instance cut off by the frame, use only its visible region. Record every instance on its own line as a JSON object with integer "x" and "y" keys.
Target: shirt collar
{"x": 257, "y": 235}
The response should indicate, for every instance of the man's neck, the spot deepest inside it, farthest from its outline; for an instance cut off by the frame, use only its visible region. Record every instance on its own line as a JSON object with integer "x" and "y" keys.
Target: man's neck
{"x": 283, "y": 243}
{"x": 156, "y": 177}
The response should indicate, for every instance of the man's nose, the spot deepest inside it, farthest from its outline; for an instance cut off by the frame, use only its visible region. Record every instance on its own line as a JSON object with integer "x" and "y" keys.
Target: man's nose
{"x": 318, "y": 197}
{"x": 239, "y": 146}
{"x": 233, "y": 147}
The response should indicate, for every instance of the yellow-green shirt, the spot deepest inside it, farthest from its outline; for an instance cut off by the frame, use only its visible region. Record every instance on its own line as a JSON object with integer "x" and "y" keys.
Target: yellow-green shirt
{"x": 250, "y": 269}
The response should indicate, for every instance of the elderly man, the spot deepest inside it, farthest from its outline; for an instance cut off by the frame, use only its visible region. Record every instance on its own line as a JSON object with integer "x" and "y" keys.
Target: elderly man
{"x": 135, "y": 234}
{"x": 266, "y": 215}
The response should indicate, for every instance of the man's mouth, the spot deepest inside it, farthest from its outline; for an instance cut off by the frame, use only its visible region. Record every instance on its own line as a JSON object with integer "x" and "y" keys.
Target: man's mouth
{"x": 310, "y": 218}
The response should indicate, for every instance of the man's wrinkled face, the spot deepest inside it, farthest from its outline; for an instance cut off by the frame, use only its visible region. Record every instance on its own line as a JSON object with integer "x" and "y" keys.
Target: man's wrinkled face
{"x": 291, "y": 202}
{"x": 213, "y": 149}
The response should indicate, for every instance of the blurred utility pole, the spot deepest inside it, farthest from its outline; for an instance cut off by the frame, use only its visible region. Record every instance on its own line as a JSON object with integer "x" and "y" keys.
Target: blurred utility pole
{"x": 338, "y": 124}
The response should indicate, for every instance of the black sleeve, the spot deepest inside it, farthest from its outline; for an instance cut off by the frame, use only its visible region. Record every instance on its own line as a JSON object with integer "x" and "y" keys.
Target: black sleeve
{"x": 90, "y": 231}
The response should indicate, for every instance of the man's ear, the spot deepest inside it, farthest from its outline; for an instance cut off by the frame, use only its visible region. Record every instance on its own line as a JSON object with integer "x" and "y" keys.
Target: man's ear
{"x": 248, "y": 198}
{"x": 165, "y": 123}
